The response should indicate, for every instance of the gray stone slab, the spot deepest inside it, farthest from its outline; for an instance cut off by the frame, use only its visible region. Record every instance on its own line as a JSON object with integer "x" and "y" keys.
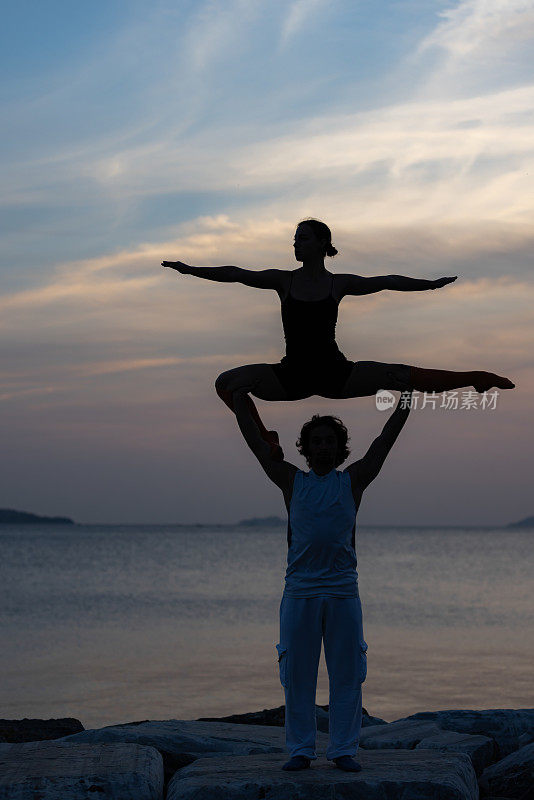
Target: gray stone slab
{"x": 512, "y": 776}
{"x": 410, "y": 774}
{"x": 404, "y": 733}
{"x": 508, "y": 727}
{"x": 59, "y": 770}
{"x": 182, "y": 741}
{"x": 480, "y": 749}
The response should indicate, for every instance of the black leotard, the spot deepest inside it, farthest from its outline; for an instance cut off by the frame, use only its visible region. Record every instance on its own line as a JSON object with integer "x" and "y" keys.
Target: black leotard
{"x": 313, "y": 363}
{"x": 309, "y": 325}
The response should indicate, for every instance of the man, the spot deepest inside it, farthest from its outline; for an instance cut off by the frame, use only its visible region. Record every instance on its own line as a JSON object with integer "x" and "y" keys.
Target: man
{"x": 321, "y": 599}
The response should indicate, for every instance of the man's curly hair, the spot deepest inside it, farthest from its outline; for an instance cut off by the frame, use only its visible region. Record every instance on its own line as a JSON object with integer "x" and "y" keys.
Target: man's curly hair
{"x": 303, "y": 442}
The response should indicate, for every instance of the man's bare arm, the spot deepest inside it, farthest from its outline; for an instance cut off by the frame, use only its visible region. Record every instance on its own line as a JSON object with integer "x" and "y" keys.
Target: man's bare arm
{"x": 246, "y": 422}
{"x": 280, "y": 472}
{"x": 356, "y": 284}
{"x": 259, "y": 279}
{"x": 364, "y": 471}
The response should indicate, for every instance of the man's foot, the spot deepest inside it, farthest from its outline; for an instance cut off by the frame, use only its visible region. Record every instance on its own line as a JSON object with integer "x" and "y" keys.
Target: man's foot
{"x": 297, "y": 762}
{"x": 347, "y": 763}
{"x": 488, "y": 380}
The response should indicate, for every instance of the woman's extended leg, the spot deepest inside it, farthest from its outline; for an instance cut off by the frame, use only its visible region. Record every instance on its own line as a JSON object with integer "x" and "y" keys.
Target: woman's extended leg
{"x": 367, "y": 377}
{"x": 441, "y": 380}
{"x": 268, "y": 387}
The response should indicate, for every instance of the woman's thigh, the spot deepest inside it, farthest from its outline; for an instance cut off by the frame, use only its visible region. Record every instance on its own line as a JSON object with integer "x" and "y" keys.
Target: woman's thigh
{"x": 266, "y": 384}
{"x": 367, "y": 377}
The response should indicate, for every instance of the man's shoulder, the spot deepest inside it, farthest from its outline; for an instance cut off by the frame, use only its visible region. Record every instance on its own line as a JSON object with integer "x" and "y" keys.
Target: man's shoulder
{"x": 280, "y": 472}
{"x": 354, "y": 474}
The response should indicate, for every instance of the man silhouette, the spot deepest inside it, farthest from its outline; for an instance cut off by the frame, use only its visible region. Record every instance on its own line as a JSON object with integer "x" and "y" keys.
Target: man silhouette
{"x": 321, "y": 600}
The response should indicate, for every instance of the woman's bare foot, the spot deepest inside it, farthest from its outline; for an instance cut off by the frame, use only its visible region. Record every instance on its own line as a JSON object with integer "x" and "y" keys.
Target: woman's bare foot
{"x": 489, "y": 379}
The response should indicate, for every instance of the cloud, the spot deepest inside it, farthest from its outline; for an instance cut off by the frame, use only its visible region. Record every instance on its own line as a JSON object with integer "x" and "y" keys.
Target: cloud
{"x": 421, "y": 162}
{"x": 112, "y": 355}
{"x": 215, "y": 29}
{"x": 114, "y": 281}
{"x": 476, "y": 25}
{"x": 120, "y": 325}
{"x": 478, "y": 47}
{"x": 412, "y": 163}
{"x": 297, "y": 18}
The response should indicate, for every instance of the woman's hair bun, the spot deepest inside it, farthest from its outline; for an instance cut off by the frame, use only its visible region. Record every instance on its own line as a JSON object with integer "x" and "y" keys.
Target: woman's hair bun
{"x": 331, "y": 250}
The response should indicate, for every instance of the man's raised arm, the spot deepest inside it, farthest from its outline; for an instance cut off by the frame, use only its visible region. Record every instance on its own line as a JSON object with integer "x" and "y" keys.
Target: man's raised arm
{"x": 280, "y": 472}
{"x": 367, "y": 468}
{"x": 247, "y": 425}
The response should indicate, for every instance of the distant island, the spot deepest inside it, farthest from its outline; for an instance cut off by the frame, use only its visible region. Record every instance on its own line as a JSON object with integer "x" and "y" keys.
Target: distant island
{"x": 528, "y": 522}
{"x": 262, "y": 521}
{"x": 10, "y": 517}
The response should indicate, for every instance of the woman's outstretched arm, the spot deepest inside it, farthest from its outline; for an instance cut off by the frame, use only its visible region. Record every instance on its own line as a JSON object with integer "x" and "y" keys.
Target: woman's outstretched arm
{"x": 226, "y": 274}
{"x": 260, "y": 279}
{"x": 356, "y": 284}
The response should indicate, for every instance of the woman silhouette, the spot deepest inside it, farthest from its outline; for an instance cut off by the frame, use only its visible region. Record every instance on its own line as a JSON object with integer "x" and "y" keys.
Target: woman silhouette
{"x": 313, "y": 363}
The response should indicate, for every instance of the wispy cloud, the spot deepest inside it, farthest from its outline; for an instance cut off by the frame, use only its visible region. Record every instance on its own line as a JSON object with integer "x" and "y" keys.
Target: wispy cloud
{"x": 479, "y": 46}
{"x": 298, "y": 18}
{"x": 217, "y": 28}
{"x": 208, "y": 146}
{"x": 473, "y": 26}
{"x": 124, "y": 314}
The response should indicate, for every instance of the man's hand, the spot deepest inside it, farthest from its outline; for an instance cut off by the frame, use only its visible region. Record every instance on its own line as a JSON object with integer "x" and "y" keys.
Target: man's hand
{"x": 439, "y": 282}
{"x": 179, "y": 266}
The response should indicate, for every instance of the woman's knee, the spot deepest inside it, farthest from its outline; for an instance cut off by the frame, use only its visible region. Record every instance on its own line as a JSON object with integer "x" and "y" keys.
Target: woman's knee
{"x": 221, "y": 382}
{"x": 235, "y": 378}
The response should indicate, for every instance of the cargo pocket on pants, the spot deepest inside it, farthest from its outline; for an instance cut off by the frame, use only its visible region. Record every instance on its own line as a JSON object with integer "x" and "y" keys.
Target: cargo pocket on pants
{"x": 363, "y": 660}
{"x": 282, "y": 664}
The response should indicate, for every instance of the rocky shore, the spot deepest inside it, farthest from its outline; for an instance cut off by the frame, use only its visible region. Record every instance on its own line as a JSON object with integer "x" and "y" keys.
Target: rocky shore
{"x": 435, "y": 755}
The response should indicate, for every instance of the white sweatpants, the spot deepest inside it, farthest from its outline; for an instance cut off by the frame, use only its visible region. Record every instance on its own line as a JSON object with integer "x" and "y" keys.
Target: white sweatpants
{"x": 304, "y": 622}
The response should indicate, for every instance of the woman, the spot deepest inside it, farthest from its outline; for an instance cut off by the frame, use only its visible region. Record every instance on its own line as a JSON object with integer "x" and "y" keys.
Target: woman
{"x": 313, "y": 363}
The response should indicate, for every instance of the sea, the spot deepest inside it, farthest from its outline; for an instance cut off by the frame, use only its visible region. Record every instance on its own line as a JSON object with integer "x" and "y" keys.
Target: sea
{"x": 118, "y": 623}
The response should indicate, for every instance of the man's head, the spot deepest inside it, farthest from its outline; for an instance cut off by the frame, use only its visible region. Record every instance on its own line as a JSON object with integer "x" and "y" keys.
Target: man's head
{"x": 323, "y": 443}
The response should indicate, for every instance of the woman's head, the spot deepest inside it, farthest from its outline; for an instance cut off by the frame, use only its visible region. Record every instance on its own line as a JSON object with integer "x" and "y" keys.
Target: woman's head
{"x": 313, "y": 237}
{"x": 323, "y": 438}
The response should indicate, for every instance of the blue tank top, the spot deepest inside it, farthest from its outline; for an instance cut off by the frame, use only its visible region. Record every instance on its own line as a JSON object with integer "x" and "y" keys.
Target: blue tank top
{"x": 321, "y": 558}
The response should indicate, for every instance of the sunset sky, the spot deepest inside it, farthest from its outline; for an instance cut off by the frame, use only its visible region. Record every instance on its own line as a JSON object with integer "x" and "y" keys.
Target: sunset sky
{"x": 204, "y": 132}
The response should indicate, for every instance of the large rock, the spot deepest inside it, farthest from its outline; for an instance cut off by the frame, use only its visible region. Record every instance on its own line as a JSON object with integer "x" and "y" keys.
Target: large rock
{"x": 512, "y": 776}
{"x": 508, "y": 727}
{"x": 408, "y": 734}
{"x": 402, "y": 734}
{"x": 181, "y": 742}
{"x": 480, "y": 749}
{"x": 59, "y": 770}
{"x": 34, "y": 730}
{"x": 410, "y": 774}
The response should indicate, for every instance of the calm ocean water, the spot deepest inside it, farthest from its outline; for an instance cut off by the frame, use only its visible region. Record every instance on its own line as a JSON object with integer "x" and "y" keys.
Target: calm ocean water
{"x": 112, "y": 624}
